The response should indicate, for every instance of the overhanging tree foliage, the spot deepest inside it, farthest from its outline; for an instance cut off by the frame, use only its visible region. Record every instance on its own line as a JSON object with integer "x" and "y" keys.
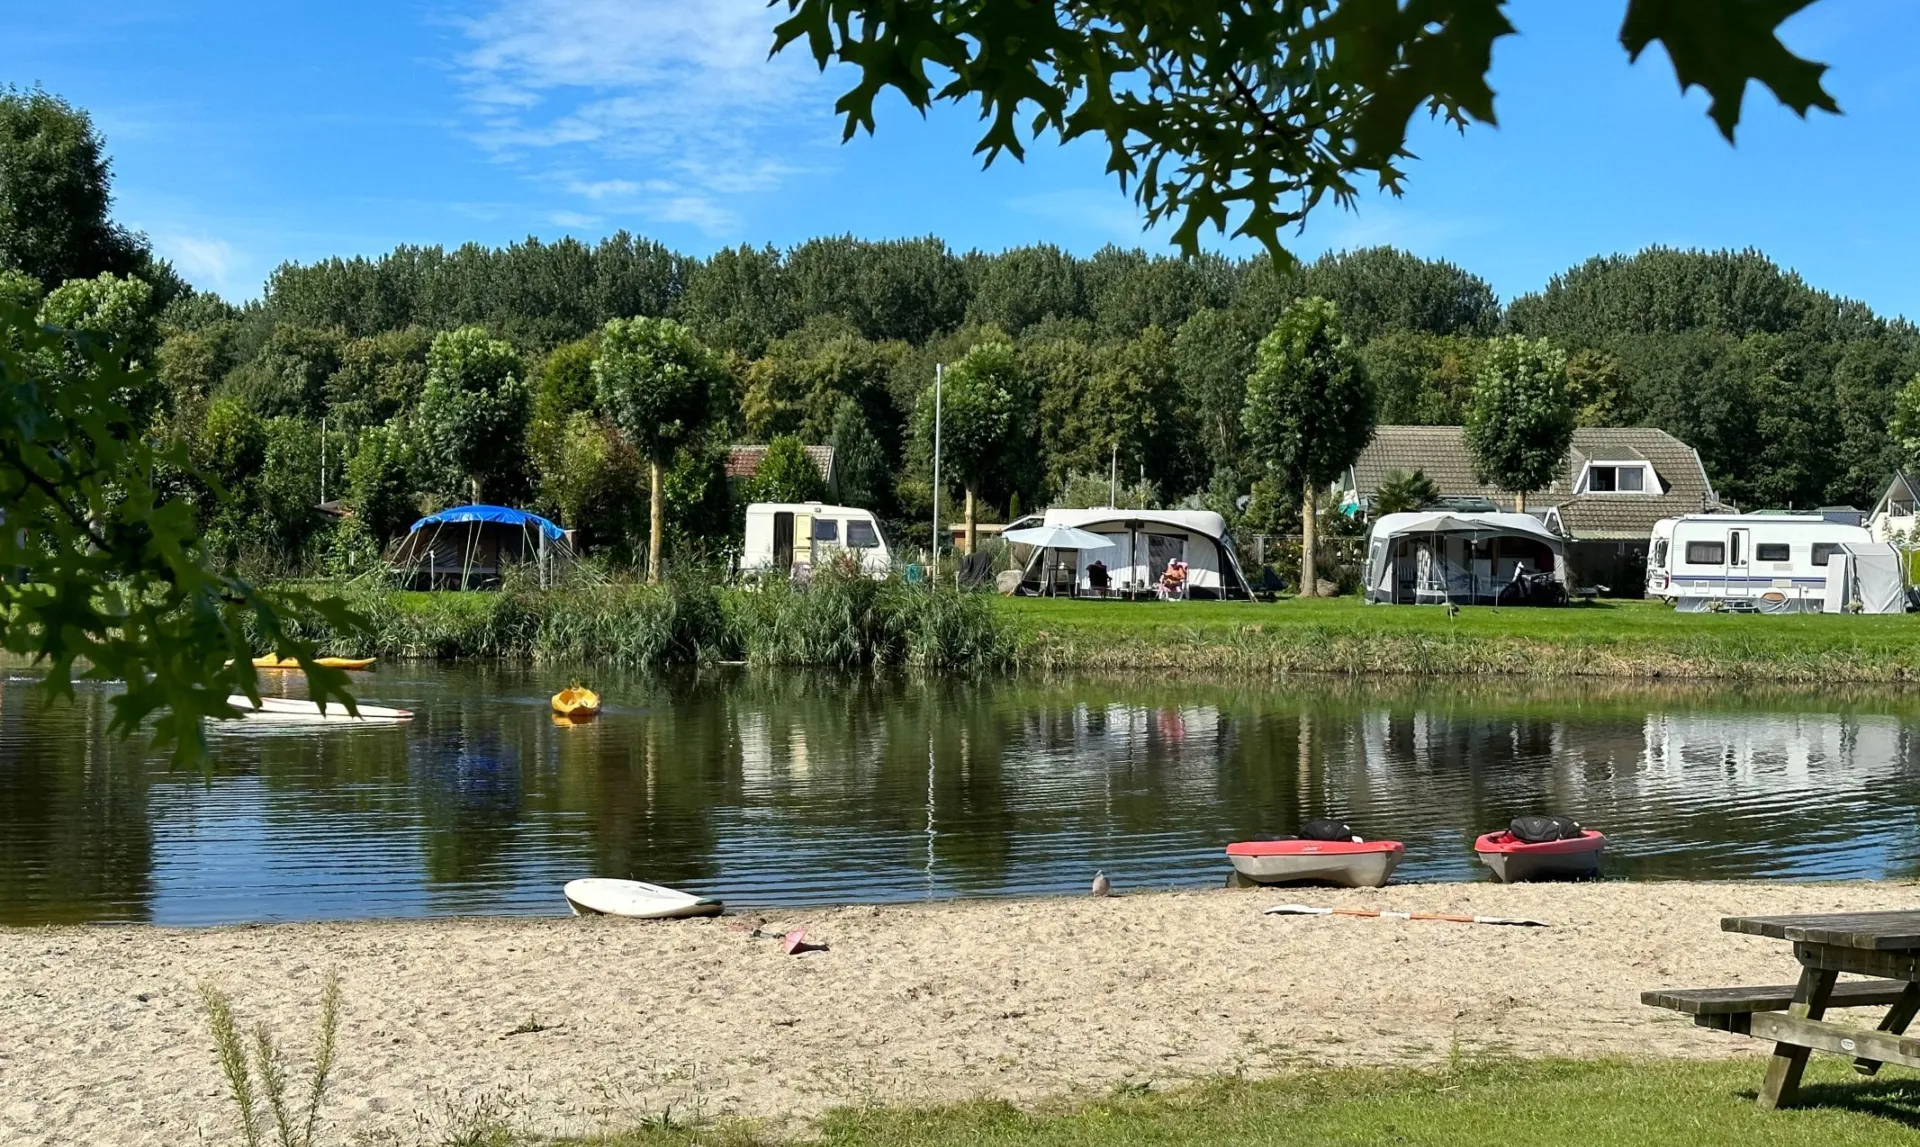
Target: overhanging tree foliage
{"x": 654, "y": 380}
{"x": 1520, "y": 421}
{"x": 1211, "y": 111}
{"x": 1309, "y": 409}
{"x": 102, "y": 568}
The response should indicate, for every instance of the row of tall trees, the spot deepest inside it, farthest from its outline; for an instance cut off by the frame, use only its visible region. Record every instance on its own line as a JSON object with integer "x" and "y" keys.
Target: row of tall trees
{"x": 1788, "y": 393}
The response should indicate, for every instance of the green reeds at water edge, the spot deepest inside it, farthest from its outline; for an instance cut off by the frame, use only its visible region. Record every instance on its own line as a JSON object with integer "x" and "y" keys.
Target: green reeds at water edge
{"x": 838, "y": 620}
{"x": 846, "y": 622}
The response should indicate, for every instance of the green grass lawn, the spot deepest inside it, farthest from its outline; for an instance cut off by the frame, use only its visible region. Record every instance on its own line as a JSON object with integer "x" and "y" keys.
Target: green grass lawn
{"x": 1590, "y": 1104}
{"x": 1346, "y": 635}
{"x": 1599, "y": 622}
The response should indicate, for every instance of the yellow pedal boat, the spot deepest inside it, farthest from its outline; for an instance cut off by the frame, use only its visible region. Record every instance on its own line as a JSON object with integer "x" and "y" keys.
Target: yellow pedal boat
{"x": 576, "y": 703}
{"x": 272, "y": 662}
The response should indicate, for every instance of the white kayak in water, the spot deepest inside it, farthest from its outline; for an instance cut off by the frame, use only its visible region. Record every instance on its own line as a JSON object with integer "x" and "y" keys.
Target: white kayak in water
{"x": 600, "y": 896}
{"x": 294, "y": 709}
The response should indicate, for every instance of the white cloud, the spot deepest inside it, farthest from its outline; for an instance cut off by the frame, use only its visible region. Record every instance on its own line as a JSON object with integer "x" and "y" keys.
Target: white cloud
{"x": 1381, "y": 221}
{"x": 204, "y": 261}
{"x": 658, "y": 108}
{"x": 1104, "y": 211}
{"x": 604, "y": 188}
{"x": 573, "y": 219}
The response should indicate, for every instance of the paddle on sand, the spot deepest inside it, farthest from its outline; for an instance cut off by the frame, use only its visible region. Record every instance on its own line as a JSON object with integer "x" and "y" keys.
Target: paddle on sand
{"x": 1379, "y": 914}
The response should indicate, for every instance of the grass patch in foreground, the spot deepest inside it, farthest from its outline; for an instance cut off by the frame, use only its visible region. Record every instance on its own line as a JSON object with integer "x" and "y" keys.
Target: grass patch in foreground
{"x": 1584, "y": 1103}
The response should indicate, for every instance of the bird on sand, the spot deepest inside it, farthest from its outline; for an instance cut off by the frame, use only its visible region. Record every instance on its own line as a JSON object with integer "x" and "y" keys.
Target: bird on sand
{"x": 1101, "y": 885}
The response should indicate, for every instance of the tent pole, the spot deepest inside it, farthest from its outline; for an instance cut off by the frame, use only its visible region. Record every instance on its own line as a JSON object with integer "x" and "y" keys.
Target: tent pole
{"x": 466, "y": 562}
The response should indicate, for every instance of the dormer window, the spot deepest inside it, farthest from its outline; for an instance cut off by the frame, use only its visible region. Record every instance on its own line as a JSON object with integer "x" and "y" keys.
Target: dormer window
{"x": 1618, "y": 478}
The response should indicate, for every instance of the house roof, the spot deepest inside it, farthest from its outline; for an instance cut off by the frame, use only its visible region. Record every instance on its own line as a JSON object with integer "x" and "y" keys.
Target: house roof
{"x": 1899, "y": 488}
{"x": 1441, "y": 453}
{"x": 744, "y": 461}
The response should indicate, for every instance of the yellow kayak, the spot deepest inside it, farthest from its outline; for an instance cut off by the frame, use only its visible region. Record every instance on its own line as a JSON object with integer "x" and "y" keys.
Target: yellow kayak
{"x": 272, "y": 662}
{"x": 576, "y": 703}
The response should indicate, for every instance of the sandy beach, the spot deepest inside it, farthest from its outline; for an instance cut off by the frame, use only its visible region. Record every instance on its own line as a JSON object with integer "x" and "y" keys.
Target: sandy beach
{"x": 103, "y": 1041}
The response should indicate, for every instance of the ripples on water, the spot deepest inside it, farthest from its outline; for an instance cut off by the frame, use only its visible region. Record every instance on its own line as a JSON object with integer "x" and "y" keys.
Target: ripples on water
{"x": 774, "y": 788}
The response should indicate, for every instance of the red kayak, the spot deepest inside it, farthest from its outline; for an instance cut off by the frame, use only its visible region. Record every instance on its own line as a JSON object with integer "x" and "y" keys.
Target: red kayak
{"x": 1514, "y": 860}
{"x": 1352, "y": 864}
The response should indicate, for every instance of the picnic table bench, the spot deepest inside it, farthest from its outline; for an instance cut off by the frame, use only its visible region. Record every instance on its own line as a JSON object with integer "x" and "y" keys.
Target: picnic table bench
{"x": 1884, "y": 945}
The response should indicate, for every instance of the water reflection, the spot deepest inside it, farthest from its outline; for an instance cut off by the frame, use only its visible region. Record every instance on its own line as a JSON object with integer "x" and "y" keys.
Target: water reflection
{"x": 804, "y": 788}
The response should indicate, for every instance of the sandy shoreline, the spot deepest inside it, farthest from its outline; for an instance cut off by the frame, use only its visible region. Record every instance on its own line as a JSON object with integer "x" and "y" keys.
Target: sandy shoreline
{"x": 102, "y": 1039}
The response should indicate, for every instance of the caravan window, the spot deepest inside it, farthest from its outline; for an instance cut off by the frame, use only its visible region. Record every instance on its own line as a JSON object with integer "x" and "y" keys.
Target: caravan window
{"x": 1706, "y": 553}
{"x": 826, "y": 530}
{"x": 1824, "y": 550}
{"x": 1659, "y": 553}
{"x": 1771, "y": 552}
{"x": 862, "y": 536}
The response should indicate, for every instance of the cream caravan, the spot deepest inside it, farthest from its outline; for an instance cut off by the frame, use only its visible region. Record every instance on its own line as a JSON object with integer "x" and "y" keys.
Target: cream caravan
{"x": 785, "y": 536}
{"x": 1772, "y": 562}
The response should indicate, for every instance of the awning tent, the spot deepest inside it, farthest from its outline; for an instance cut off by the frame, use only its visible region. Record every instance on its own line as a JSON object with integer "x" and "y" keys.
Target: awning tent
{"x": 1869, "y": 573}
{"x": 467, "y": 547}
{"x": 1462, "y": 558}
{"x": 1141, "y": 544}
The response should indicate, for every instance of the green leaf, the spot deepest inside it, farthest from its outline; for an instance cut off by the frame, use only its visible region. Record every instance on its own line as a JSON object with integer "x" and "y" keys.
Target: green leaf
{"x": 1721, "y": 44}
{"x": 1243, "y": 116}
{"x": 101, "y": 573}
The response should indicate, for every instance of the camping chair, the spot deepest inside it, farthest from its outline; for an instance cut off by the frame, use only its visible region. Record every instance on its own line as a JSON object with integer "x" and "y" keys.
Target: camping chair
{"x": 1099, "y": 584}
{"x": 1062, "y": 579}
{"x": 1268, "y": 585}
{"x": 916, "y": 573}
{"x": 1173, "y": 583}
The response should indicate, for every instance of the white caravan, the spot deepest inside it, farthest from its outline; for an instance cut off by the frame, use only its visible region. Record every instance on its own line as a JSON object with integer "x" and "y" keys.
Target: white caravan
{"x": 1772, "y": 562}
{"x": 785, "y": 536}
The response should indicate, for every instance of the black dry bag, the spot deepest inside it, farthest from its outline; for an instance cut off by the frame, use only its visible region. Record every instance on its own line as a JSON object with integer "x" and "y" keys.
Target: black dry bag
{"x": 1327, "y": 830}
{"x": 1540, "y": 829}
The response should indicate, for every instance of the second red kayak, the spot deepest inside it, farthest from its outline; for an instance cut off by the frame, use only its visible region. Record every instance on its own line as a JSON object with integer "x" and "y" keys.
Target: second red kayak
{"x": 1513, "y": 860}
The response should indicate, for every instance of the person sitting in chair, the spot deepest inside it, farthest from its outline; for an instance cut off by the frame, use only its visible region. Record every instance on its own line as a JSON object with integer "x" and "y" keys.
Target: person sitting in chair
{"x": 1097, "y": 578}
{"x": 1173, "y": 582}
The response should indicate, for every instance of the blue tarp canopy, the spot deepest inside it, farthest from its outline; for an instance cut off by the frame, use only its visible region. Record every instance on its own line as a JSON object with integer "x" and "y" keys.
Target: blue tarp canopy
{"x": 505, "y": 515}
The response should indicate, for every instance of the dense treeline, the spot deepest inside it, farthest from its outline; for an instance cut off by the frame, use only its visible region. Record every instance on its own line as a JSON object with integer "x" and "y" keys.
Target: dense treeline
{"x": 1787, "y": 392}
{"x": 423, "y": 377}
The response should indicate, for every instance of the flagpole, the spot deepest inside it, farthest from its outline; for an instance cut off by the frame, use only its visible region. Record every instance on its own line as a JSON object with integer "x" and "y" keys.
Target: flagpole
{"x": 939, "y": 376}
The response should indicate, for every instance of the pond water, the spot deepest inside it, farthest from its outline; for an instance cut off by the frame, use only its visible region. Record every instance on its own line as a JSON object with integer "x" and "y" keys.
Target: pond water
{"x": 780, "y": 788}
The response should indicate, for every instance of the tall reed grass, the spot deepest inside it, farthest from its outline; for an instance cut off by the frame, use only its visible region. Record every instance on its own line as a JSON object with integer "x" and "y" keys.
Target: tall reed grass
{"x": 839, "y": 620}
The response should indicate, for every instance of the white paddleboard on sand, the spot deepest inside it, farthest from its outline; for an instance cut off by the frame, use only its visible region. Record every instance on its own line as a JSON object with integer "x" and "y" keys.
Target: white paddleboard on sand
{"x": 599, "y": 896}
{"x": 294, "y": 709}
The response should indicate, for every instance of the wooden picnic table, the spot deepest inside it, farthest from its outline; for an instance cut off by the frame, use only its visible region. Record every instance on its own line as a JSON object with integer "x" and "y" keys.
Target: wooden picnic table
{"x": 1885, "y": 945}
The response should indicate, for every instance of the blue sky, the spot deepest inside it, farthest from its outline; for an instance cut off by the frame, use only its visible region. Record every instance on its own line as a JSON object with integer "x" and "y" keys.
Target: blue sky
{"x": 248, "y": 134}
